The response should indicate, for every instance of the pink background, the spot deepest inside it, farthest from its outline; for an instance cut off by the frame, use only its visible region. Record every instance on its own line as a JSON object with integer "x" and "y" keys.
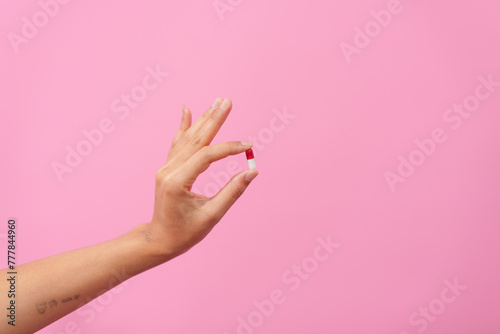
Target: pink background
{"x": 321, "y": 175}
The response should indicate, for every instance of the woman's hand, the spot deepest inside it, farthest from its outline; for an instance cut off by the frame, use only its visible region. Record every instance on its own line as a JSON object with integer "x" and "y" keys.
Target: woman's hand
{"x": 182, "y": 218}
{"x": 57, "y": 285}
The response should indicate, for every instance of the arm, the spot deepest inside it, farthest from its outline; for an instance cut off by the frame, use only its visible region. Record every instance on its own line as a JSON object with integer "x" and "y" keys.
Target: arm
{"x": 52, "y": 287}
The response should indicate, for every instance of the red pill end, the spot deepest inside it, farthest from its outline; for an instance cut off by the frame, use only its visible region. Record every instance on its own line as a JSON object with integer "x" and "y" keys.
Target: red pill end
{"x": 249, "y": 154}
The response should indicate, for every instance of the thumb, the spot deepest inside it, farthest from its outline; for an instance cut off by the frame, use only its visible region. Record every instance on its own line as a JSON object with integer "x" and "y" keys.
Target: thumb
{"x": 228, "y": 195}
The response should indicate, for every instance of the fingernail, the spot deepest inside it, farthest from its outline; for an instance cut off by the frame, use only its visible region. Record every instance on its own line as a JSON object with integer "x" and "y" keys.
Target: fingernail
{"x": 225, "y": 104}
{"x": 251, "y": 175}
{"x": 246, "y": 143}
{"x": 216, "y": 103}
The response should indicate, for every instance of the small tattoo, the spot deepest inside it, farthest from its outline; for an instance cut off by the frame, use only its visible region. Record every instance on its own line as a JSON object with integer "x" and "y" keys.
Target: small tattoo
{"x": 41, "y": 307}
{"x": 148, "y": 239}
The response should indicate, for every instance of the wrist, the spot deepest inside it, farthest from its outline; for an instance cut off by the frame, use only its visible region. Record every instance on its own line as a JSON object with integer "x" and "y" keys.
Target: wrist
{"x": 149, "y": 245}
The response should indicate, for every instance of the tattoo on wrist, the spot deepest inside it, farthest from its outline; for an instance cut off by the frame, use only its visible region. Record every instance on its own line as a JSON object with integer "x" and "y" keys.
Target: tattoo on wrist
{"x": 43, "y": 307}
{"x": 146, "y": 234}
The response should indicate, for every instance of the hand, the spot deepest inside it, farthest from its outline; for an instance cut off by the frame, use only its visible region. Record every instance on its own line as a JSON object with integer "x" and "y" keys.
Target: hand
{"x": 182, "y": 218}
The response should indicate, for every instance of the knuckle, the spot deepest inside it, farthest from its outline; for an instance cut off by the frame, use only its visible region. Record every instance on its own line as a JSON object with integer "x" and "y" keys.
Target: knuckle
{"x": 205, "y": 153}
{"x": 159, "y": 177}
{"x": 166, "y": 183}
{"x": 235, "y": 146}
{"x": 195, "y": 140}
{"x": 170, "y": 187}
{"x": 213, "y": 116}
{"x": 209, "y": 116}
{"x": 205, "y": 116}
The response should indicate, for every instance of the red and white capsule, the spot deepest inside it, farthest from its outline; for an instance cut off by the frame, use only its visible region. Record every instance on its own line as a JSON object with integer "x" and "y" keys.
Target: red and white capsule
{"x": 250, "y": 159}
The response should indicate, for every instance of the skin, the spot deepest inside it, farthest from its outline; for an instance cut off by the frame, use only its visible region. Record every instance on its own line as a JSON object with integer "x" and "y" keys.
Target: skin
{"x": 52, "y": 287}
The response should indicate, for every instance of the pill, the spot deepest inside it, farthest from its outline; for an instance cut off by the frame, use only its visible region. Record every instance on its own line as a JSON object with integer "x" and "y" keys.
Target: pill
{"x": 250, "y": 159}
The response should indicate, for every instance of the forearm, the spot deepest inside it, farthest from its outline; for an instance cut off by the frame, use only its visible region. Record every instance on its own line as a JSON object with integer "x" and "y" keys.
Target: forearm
{"x": 50, "y": 288}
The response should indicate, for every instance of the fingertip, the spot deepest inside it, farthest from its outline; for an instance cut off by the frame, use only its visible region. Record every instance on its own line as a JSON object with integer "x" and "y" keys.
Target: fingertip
{"x": 226, "y": 105}
{"x": 186, "y": 118}
{"x": 216, "y": 103}
{"x": 251, "y": 174}
{"x": 246, "y": 144}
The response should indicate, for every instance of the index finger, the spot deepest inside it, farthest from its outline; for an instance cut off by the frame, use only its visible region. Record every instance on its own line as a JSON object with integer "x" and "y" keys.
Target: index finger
{"x": 202, "y": 159}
